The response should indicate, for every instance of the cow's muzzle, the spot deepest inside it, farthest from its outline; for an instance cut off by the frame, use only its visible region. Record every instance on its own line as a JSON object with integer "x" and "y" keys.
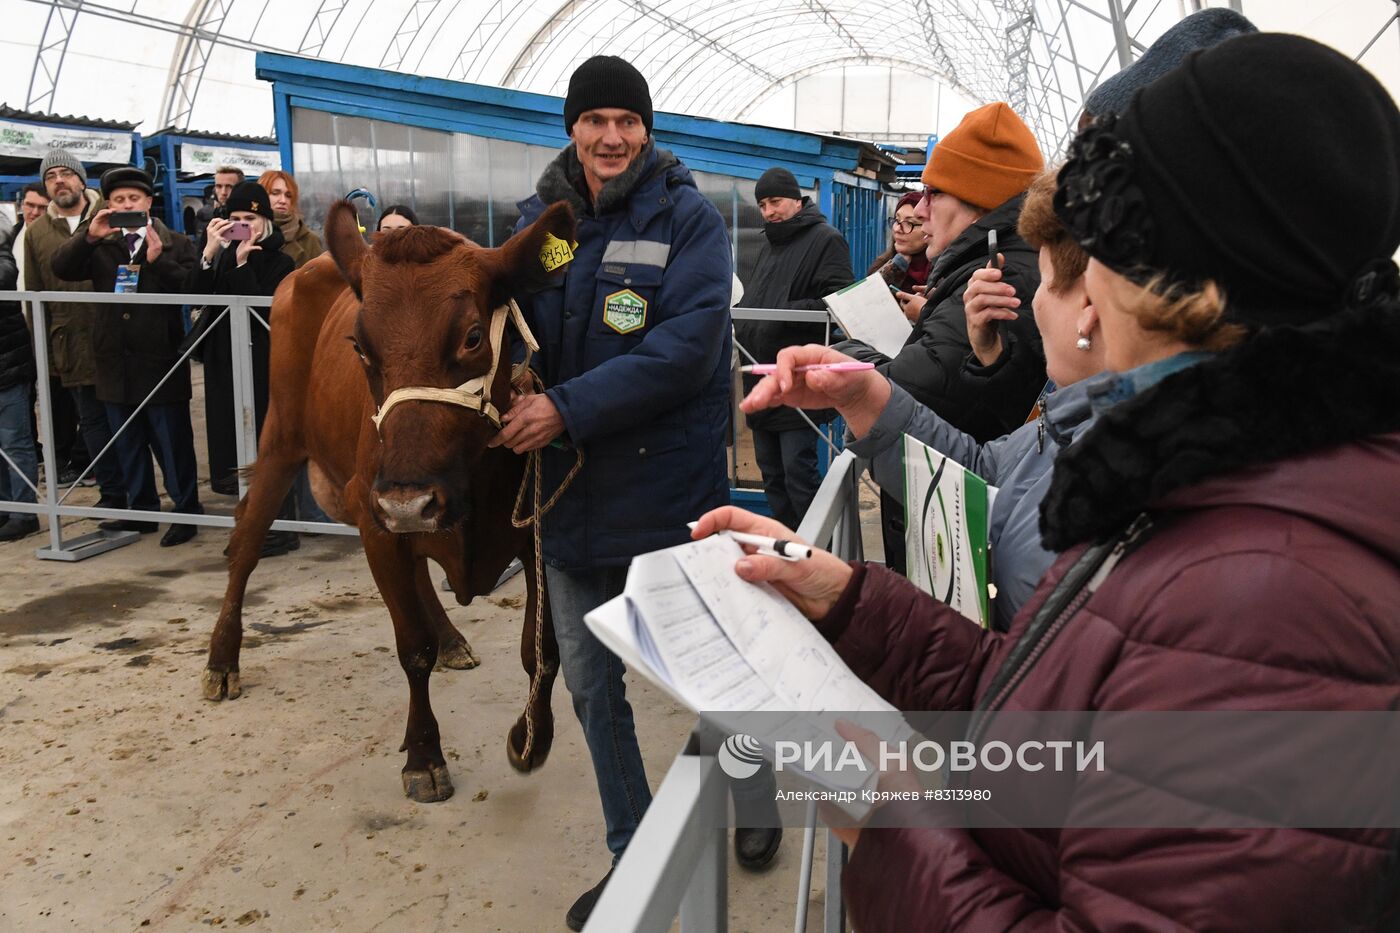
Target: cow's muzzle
{"x": 408, "y": 509}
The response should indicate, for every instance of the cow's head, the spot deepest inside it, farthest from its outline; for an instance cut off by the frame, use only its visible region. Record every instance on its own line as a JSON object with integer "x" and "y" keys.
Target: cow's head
{"x": 426, "y": 301}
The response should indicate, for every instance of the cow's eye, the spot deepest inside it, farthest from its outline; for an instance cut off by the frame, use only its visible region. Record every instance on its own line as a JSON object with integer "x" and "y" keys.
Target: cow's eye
{"x": 474, "y": 339}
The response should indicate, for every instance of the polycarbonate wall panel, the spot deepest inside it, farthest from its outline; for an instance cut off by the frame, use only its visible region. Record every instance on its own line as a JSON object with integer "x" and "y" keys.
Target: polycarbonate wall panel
{"x": 511, "y": 181}
{"x": 469, "y": 183}
{"x": 471, "y": 187}
{"x": 393, "y": 181}
{"x": 430, "y": 174}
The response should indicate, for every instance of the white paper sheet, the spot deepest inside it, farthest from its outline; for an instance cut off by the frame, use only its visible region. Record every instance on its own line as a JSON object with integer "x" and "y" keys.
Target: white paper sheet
{"x": 868, "y": 312}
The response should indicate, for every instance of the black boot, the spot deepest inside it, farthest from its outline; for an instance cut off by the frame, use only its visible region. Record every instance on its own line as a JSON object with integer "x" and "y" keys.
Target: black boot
{"x": 278, "y": 543}
{"x": 755, "y": 848}
{"x": 758, "y": 825}
{"x": 583, "y": 907}
{"x": 21, "y": 526}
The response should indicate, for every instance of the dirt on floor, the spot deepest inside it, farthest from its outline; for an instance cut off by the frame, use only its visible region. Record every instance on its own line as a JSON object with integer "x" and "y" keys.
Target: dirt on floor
{"x": 129, "y": 802}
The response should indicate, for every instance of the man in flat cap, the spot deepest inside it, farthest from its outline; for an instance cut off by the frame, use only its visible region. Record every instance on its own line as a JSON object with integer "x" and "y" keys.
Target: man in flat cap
{"x": 635, "y": 348}
{"x": 136, "y": 345}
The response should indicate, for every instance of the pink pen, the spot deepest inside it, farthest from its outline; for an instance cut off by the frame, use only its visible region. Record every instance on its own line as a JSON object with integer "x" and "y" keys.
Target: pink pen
{"x": 768, "y": 369}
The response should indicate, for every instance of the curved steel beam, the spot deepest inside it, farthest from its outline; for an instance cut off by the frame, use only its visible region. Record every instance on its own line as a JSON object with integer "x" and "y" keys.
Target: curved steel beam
{"x": 914, "y": 66}
{"x": 542, "y": 37}
{"x": 205, "y": 22}
{"x": 48, "y": 58}
{"x": 414, "y": 19}
{"x": 321, "y": 26}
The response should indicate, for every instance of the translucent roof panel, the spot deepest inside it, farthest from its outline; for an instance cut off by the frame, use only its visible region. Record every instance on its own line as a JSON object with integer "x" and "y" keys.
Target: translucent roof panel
{"x": 190, "y": 62}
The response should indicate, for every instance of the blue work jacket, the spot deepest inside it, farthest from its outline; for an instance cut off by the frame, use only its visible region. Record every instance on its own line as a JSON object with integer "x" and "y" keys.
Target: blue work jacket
{"x": 634, "y": 351}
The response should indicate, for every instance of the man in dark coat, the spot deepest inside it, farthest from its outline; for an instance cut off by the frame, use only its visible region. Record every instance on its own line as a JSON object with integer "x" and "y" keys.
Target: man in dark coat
{"x": 16, "y": 405}
{"x": 634, "y": 350}
{"x": 137, "y": 345}
{"x": 801, "y": 260}
{"x": 69, "y": 324}
{"x": 975, "y": 181}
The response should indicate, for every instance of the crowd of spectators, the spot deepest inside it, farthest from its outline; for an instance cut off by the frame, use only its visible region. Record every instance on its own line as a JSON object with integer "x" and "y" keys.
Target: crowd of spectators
{"x": 107, "y": 361}
{"x": 1178, "y": 365}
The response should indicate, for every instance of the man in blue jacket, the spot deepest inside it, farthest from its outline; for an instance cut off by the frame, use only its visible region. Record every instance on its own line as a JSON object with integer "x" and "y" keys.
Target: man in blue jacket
{"x": 634, "y": 347}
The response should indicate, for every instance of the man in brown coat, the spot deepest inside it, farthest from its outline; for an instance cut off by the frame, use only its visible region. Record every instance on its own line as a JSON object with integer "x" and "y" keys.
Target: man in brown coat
{"x": 70, "y": 325}
{"x": 137, "y": 345}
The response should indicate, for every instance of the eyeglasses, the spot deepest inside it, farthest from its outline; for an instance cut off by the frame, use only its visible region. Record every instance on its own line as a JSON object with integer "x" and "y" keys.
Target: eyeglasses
{"x": 905, "y": 226}
{"x": 929, "y": 192}
{"x": 60, "y": 173}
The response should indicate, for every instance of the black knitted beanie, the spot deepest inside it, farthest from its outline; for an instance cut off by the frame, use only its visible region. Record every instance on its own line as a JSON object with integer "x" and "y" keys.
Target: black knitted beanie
{"x": 1269, "y": 164}
{"x": 605, "y": 81}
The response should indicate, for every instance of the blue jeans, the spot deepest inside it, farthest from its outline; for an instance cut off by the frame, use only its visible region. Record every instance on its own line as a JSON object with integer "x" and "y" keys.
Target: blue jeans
{"x": 165, "y": 431}
{"x": 17, "y": 440}
{"x": 788, "y": 462}
{"x": 593, "y": 675}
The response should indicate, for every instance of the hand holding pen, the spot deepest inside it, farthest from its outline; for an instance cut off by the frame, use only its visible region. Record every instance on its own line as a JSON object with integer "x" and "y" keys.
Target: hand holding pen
{"x": 812, "y": 584}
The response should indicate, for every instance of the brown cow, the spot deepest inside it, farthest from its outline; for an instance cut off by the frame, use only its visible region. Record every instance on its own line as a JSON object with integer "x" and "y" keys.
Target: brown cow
{"x": 351, "y": 328}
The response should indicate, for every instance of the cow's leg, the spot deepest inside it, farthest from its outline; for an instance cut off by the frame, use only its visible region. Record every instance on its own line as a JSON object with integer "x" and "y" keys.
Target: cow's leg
{"x": 453, "y": 650}
{"x": 253, "y": 516}
{"x": 538, "y": 703}
{"x": 425, "y": 777}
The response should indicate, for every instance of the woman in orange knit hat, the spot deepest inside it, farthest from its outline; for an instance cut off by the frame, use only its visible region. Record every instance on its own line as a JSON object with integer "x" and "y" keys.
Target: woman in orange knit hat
{"x": 975, "y": 182}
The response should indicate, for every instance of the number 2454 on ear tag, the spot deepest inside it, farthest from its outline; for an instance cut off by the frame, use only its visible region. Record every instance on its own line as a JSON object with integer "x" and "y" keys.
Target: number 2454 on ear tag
{"x": 555, "y": 252}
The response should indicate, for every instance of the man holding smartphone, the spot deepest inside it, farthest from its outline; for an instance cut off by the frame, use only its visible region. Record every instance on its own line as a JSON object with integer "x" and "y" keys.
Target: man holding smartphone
{"x": 121, "y": 248}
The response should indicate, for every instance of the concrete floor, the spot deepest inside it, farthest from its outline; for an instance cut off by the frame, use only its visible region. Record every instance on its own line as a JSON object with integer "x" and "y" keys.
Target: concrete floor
{"x": 128, "y": 802}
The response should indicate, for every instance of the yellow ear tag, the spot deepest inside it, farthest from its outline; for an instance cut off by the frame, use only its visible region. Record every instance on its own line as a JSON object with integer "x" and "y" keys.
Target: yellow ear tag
{"x": 555, "y": 253}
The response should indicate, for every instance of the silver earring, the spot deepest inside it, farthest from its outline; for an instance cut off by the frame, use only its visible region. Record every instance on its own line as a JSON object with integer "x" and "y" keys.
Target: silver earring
{"x": 1083, "y": 343}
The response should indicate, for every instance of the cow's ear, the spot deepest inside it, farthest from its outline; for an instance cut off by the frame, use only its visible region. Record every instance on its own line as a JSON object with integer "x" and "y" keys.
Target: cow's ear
{"x": 530, "y": 259}
{"x": 346, "y": 243}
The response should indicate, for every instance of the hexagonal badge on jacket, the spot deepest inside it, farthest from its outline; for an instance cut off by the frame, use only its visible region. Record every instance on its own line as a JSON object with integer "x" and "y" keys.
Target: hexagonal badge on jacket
{"x": 625, "y": 311}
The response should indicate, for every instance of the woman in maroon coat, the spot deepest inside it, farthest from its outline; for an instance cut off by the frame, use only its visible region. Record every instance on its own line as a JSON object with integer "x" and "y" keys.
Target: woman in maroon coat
{"x": 1229, "y": 526}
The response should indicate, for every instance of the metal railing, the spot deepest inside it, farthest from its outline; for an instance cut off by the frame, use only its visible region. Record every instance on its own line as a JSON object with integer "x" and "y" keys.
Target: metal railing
{"x": 239, "y": 309}
{"x": 242, "y": 316}
{"x": 676, "y": 864}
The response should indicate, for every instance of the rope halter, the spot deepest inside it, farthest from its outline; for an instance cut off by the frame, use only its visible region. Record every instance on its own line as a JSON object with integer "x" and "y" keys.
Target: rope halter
{"x": 474, "y": 393}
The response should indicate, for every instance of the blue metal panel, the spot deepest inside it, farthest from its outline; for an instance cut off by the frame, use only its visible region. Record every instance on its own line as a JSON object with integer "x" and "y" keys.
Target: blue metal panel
{"x": 709, "y": 145}
{"x": 282, "y": 117}
{"x": 859, "y": 212}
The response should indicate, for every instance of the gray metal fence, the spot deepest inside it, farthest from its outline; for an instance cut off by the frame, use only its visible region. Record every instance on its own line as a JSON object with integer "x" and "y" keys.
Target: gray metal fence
{"x": 676, "y": 864}
{"x": 242, "y": 314}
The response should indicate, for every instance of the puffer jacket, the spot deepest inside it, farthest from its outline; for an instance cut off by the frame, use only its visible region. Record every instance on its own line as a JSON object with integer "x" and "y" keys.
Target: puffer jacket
{"x": 135, "y": 345}
{"x": 933, "y": 364}
{"x": 634, "y": 351}
{"x": 801, "y": 260}
{"x": 70, "y": 326}
{"x": 16, "y": 350}
{"x": 1268, "y": 479}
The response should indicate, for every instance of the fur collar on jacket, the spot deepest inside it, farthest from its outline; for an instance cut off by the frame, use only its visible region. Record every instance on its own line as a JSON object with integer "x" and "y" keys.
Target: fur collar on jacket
{"x": 1283, "y": 392}
{"x": 562, "y": 180}
{"x": 92, "y": 203}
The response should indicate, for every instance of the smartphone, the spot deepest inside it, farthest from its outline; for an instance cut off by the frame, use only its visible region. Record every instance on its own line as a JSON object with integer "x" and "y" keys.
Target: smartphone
{"x": 992, "y": 261}
{"x": 128, "y": 220}
{"x": 894, "y": 290}
{"x": 239, "y": 230}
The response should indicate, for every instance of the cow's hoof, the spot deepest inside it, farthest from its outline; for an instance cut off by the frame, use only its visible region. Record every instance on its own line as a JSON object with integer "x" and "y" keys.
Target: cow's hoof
{"x": 515, "y": 745}
{"x": 458, "y": 656}
{"x": 429, "y": 786}
{"x": 221, "y": 685}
